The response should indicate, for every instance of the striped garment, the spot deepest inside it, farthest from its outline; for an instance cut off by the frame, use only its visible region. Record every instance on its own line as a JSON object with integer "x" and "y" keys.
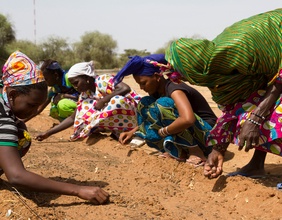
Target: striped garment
{"x": 8, "y": 128}
{"x": 245, "y": 57}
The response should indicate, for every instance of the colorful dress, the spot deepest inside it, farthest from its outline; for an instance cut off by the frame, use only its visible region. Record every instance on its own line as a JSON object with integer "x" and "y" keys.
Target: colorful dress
{"x": 154, "y": 113}
{"x": 118, "y": 115}
{"x": 230, "y": 122}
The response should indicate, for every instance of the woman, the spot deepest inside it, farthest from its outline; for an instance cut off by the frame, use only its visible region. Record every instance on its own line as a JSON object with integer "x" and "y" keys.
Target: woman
{"x": 61, "y": 95}
{"x": 242, "y": 68}
{"x": 24, "y": 91}
{"x": 174, "y": 118}
{"x": 101, "y": 105}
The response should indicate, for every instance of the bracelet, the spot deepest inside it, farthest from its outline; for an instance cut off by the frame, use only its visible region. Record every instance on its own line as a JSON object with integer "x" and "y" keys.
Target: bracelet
{"x": 163, "y": 134}
{"x": 254, "y": 122}
{"x": 220, "y": 148}
{"x": 166, "y": 131}
{"x": 259, "y": 116}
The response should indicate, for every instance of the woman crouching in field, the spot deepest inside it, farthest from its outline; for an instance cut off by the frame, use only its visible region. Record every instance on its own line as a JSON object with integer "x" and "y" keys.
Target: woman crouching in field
{"x": 23, "y": 92}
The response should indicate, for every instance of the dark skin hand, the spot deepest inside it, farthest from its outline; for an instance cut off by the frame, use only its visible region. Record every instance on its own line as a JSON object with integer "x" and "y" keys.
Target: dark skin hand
{"x": 249, "y": 132}
{"x": 120, "y": 89}
{"x": 213, "y": 165}
{"x": 68, "y": 122}
{"x": 61, "y": 96}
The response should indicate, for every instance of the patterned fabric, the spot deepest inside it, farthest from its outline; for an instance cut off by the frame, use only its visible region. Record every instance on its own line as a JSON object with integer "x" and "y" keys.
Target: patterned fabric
{"x": 118, "y": 115}
{"x": 19, "y": 70}
{"x": 154, "y": 114}
{"x": 234, "y": 116}
{"x": 242, "y": 59}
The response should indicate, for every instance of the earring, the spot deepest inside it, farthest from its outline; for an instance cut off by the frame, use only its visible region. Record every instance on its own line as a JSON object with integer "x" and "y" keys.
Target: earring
{"x": 87, "y": 81}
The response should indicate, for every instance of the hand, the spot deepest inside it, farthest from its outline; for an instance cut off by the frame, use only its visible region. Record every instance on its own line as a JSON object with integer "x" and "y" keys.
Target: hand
{"x": 100, "y": 104}
{"x": 249, "y": 136}
{"x": 213, "y": 165}
{"x": 125, "y": 137}
{"x": 58, "y": 98}
{"x": 42, "y": 136}
{"x": 95, "y": 195}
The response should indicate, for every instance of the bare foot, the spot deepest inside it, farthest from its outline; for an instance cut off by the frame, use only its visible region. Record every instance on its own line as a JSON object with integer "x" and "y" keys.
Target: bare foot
{"x": 167, "y": 155}
{"x": 196, "y": 157}
{"x": 255, "y": 168}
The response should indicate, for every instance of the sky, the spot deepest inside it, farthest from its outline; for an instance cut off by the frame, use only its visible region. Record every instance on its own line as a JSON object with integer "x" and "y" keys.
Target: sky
{"x": 133, "y": 24}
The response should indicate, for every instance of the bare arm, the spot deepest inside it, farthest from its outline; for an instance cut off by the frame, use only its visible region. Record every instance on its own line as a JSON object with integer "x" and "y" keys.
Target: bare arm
{"x": 186, "y": 115}
{"x": 68, "y": 122}
{"x": 17, "y": 175}
{"x": 250, "y": 131}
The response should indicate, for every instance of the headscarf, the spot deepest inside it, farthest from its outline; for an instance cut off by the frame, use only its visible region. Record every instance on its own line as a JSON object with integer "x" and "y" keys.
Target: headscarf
{"x": 54, "y": 65}
{"x": 142, "y": 66}
{"x": 80, "y": 69}
{"x": 19, "y": 70}
{"x": 245, "y": 57}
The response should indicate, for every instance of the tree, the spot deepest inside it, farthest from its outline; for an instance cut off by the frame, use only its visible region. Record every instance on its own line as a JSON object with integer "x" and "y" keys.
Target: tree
{"x": 97, "y": 47}
{"x": 7, "y": 35}
{"x": 58, "y": 49}
{"x": 124, "y": 57}
{"x": 29, "y": 48}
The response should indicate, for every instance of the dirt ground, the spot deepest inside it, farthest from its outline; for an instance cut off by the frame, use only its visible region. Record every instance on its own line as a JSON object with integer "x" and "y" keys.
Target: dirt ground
{"x": 142, "y": 186}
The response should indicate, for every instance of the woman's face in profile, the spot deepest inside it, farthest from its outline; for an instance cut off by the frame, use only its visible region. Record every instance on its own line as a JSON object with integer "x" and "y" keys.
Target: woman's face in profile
{"x": 81, "y": 83}
{"x": 147, "y": 83}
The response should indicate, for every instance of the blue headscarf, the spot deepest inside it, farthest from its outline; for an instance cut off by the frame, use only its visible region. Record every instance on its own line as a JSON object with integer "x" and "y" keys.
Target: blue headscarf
{"x": 140, "y": 66}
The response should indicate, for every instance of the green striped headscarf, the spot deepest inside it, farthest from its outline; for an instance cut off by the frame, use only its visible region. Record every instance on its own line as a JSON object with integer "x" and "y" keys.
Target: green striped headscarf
{"x": 242, "y": 59}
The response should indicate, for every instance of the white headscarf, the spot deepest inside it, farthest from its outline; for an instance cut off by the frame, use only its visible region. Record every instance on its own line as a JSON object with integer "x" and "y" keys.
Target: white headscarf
{"x": 80, "y": 69}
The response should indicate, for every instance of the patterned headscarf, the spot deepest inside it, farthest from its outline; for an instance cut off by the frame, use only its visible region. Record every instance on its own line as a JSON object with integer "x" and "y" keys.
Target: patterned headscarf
{"x": 80, "y": 69}
{"x": 143, "y": 66}
{"x": 19, "y": 70}
{"x": 239, "y": 61}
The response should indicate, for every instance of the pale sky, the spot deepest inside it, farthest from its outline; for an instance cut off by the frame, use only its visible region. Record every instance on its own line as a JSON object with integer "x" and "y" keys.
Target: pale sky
{"x": 134, "y": 24}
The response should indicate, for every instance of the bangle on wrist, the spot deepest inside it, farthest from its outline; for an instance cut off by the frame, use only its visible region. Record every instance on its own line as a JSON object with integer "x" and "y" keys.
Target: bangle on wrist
{"x": 254, "y": 122}
{"x": 162, "y": 133}
{"x": 166, "y": 131}
{"x": 259, "y": 116}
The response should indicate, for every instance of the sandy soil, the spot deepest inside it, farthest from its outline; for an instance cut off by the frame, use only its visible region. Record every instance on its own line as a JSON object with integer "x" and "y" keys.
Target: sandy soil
{"x": 142, "y": 186}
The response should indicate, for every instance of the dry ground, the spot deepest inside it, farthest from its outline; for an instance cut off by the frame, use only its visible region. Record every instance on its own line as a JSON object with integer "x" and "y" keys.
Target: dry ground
{"x": 142, "y": 186}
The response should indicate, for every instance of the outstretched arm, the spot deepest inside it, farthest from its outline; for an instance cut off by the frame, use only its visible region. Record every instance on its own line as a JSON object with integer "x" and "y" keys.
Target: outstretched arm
{"x": 68, "y": 122}
{"x": 17, "y": 175}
